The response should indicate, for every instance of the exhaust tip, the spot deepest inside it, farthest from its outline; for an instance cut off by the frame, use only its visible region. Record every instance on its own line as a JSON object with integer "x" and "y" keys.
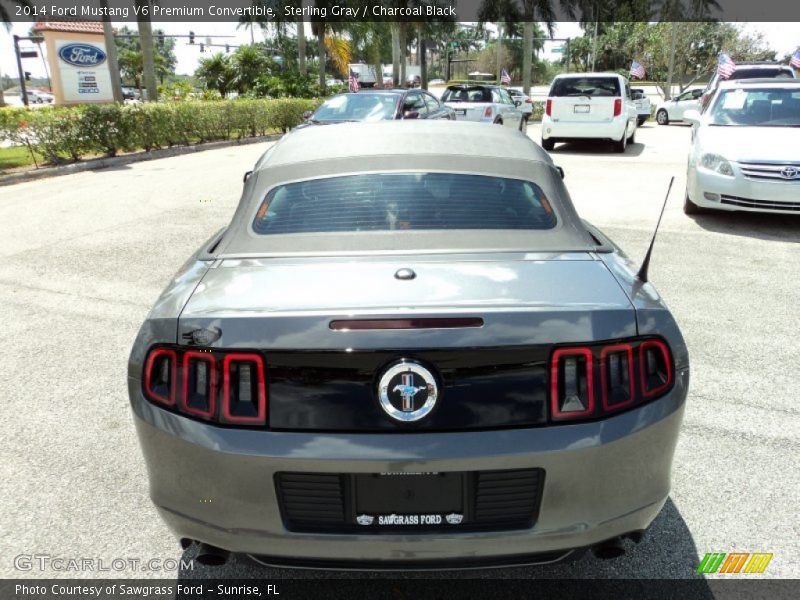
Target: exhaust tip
{"x": 211, "y": 556}
{"x": 609, "y": 549}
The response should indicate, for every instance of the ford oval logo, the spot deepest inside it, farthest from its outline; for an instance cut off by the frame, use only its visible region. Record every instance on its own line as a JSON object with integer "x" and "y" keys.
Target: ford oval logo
{"x": 82, "y": 55}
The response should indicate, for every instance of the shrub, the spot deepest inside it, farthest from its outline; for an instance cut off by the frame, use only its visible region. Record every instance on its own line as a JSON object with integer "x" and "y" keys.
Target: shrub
{"x": 74, "y": 132}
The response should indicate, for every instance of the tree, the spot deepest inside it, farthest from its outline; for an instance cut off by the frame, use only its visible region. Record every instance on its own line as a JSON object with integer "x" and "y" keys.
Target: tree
{"x": 249, "y": 63}
{"x": 164, "y": 57}
{"x": 148, "y": 55}
{"x": 217, "y": 73}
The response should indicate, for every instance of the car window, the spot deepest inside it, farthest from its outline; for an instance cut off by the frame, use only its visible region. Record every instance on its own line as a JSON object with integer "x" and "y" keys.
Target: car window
{"x": 686, "y": 96}
{"x": 585, "y": 86}
{"x": 627, "y": 91}
{"x": 506, "y": 98}
{"x": 757, "y": 107}
{"x": 467, "y": 94}
{"x": 404, "y": 201}
{"x": 433, "y": 103}
{"x": 358, "y": 107}
{"x": 414, "y": 101}
{"x": 769, "y": 72}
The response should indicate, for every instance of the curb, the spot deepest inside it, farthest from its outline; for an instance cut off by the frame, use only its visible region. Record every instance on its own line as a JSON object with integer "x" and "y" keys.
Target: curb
{"x": 115, "y": 161}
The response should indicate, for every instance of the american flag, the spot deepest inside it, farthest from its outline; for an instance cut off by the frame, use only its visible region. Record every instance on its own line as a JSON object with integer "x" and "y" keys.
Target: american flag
{"x": 795, "y": 62}
{"x": 726, "y": 66}
{"x": 353, "y": 82}
{"x": 637, "y": 70}
{"x": 505, "y": 78}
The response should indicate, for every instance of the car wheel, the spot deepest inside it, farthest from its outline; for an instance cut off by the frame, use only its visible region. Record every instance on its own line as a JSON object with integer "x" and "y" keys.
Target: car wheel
{"x": 523, "y": 125}
{"x": 498, "y": 122}
{"x": 632, "y": 138}
{"x": 548, "y": 144}
{"x": 690, "y": 208}
{"x": 662, "y": 118}
{"x": 640, "y": 122}
{"x": 620, "y": 146}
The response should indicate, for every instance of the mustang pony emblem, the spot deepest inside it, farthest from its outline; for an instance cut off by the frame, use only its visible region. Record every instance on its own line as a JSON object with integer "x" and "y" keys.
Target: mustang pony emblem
{"x": 408, "y": 391}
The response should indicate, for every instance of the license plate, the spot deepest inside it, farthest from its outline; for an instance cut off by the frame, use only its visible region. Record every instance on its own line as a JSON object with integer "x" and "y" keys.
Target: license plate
{"x": 409, "y": 500}
{"x": 461, "y": 111}
{"x": 582, "y": 108}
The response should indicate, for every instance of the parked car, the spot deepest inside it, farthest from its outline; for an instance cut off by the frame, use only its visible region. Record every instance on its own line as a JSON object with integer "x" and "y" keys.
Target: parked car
{"x": 750, "y": 70}
{"x": 746, "y": 149}
{"x": 525, "y": 103}
{"x": 674, "y": 109}
{"x": 437, "y": 82}
{"x": 379, "y": 105}
{"x": 39, "y": 97}
{"x": 642, "y": 103}
{"x": 407, "y": 350}
{"x": 589, "y": 106}
{"x": 485, "y": 104}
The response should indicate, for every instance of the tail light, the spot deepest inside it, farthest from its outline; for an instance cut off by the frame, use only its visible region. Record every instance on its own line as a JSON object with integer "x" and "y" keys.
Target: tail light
{"x": 528, "y": 101}
{"x": 617, "y": 107}
{"x": 622, "y": 375}
{"x": 188, "y": 381}
{"x": 487, "y": 113}
{"x": 548, "y": 107}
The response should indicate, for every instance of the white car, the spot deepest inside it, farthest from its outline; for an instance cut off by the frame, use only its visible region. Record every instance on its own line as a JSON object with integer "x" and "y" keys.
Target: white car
{"x": 673, "y": 110}
{"x": 746, "y": 149}
{"x": 38, "y": 97}
{"x": 582, "y": 106}
{"x": 485, "y": 104}
{"x": 642, "y": 103}
{"x": 525, "y": 102}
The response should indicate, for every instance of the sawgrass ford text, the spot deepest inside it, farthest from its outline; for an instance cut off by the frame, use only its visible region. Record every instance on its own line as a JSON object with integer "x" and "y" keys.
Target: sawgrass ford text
{"x": 256, "y": 10}
{"x": 99, "y": 590}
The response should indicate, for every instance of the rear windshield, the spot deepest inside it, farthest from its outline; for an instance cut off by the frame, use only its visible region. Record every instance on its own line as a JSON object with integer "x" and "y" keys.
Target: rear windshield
{"x": 745, "y": 73}
{"x": 585, "y": 86}
{"x": 404, "y": 201}
{"x": 468, "y": 94}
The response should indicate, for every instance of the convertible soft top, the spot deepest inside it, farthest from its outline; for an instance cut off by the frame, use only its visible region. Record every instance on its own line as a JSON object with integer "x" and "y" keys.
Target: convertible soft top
{"x": 410, "y": 147}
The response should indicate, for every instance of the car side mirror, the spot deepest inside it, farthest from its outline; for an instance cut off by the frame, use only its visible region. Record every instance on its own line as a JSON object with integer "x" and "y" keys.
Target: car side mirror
{"x": 560, "y": 172}
{"x": 411, "y": 114}
{"x": 307, "y": 115}
{"x": 692, "y": 116}
{"x": 246, "y": 176}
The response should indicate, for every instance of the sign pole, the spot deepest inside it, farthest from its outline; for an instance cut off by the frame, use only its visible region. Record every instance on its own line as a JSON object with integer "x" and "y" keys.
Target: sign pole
{"x": 23, "y": 91}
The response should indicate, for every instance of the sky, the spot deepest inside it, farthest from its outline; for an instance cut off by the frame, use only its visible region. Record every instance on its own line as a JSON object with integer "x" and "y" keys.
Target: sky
{"x": 783, "y": 37}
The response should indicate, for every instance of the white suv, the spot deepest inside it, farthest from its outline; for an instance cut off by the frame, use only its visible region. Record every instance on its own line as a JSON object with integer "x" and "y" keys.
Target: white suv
{"x": 589, "y": 106}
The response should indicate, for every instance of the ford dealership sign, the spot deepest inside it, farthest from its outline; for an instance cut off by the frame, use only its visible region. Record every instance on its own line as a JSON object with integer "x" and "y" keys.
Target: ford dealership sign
{"x": 82, "y": 55}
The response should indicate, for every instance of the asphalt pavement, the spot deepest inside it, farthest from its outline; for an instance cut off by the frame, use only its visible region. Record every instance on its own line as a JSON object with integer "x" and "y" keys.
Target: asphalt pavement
{"x": 84, "y": 256}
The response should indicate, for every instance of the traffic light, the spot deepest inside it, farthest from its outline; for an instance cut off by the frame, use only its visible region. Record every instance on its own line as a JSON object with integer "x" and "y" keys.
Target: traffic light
{"x": 160, "y": 38}
{"x": 27, "y": 75}
{"x": 191, "y": 37}
{"x": 202, "y": 48}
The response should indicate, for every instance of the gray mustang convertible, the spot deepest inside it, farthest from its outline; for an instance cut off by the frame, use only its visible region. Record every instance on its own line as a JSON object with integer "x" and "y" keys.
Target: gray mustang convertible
{"x": 408, "y": 351}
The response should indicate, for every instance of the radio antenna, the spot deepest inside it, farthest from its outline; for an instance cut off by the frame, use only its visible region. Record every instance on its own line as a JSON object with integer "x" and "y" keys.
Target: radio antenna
{"x": 642, "y": 274}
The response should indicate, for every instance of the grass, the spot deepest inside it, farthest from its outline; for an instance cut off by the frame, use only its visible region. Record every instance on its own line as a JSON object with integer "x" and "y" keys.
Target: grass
{"x": 15, "y": 156}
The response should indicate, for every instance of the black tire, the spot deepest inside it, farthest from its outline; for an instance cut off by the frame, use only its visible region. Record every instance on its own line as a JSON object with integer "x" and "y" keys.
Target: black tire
{"x": 690, "y": 208}
{"x": 641, "y": 121}
{"x": 620, "y": 146}
{"x": 548, "y": 144}
{"x": 632, "y": 137}
{"x": 498, "y": 122}
{"x": 523, "y": 125}
{"x": 662, "y": 118}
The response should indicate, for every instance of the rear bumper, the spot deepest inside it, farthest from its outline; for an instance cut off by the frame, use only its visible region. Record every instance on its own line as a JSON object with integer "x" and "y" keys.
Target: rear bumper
{"x": 596, "y": 130}
{"x": 602, "y": 480}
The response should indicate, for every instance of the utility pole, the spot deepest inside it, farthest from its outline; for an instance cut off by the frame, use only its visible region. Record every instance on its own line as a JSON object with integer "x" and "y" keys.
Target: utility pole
{"x": 148, "y": 55}
{"x": 23, "y": 90}
{"x": 594, "y": 38}
{"x": 527, "y": 29}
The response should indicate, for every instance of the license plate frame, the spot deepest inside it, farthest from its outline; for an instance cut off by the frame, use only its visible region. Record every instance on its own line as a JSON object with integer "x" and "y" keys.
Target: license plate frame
{"x": 582, "y": 109}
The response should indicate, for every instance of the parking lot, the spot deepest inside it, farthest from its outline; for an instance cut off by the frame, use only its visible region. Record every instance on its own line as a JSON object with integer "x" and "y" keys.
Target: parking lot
{"x": 84, "y": 256}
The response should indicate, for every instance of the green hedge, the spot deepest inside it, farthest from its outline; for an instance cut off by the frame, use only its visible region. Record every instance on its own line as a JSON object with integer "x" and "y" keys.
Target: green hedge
{"x": 61, "y": 134}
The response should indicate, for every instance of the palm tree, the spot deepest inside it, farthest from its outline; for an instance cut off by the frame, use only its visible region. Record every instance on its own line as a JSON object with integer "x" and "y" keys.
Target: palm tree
{"x": 217, "y": 73}
{"x": 148, "y": 55}
{"x": 250, "y": 63}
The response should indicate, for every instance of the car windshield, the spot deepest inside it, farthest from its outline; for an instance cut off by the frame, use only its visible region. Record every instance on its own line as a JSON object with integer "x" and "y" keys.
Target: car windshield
{"x": 585, "y": 86}
{"x": 404, "y": 201}
{"x": 467, "y": 94}
{"x": 757, "y": 107}
{"x": 358, "y": 107}
{"x": 757, "y": 73}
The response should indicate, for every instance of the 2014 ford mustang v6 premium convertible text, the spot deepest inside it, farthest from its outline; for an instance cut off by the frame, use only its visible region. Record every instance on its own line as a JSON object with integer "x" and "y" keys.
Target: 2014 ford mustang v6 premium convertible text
{"x": 408, "y": 351}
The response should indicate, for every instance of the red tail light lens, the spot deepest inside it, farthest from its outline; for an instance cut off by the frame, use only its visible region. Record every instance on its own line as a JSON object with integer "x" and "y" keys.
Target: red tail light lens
{"x": 188, "y": 381}
{"x": 617, "y": 107}
{"x": 622, "y": 374}
{"x": 548, "y": 107}
{"x": 160, "y": 376}
{"x": 244, "y": 398}
{"x": 572, "y": 383}
{"x": 528, "y": 101}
